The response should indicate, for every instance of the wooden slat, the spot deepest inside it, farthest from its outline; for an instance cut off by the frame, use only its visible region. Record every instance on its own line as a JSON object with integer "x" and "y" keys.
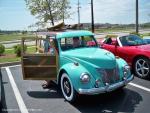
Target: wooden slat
{"x": 39, "y": 69}
{"x": 38, "y": 54}
{"x": 40, "y": 66}
{"x": 39, "y": 78}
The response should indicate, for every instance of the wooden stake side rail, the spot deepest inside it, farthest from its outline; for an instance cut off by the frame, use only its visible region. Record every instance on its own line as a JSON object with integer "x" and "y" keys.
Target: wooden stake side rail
{"x": 39, "y": 65}
{"x": 38, "y": 54}
{"x": 39, "y": 78}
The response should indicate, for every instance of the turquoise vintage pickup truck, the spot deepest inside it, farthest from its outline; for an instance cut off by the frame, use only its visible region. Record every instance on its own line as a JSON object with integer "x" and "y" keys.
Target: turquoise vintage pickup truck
{"x": 76, "y": 62}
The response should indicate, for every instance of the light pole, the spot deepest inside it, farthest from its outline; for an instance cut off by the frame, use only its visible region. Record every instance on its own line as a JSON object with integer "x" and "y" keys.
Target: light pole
{"x": 92, "y": 16}
{"x": 137, "y": 16}
{"x": 79, "y": 14}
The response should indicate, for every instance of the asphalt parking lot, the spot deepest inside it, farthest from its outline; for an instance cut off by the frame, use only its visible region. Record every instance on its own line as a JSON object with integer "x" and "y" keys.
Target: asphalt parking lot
{"x": 26, "y": 96}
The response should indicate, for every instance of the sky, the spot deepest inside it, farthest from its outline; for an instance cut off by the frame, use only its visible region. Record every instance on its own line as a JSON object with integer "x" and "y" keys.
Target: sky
{"x": 14, "y": 14}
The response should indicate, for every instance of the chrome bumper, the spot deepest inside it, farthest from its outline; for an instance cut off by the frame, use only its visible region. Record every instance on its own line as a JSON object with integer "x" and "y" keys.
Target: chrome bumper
{"x": 107, "y": 88}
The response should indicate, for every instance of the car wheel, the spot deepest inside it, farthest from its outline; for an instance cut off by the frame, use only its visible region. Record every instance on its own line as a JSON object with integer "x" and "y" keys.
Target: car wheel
{"x": 67, "y": 88}
{"x": 142, "y": 67}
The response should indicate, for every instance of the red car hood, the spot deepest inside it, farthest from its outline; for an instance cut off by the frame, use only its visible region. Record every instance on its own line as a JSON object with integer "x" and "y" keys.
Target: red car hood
{"x": 142, "y": 47}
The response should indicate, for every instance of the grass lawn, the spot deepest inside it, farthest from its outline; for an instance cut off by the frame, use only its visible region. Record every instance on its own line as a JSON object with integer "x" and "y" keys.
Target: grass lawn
{"x": 13, "y": 36}
{"x": 3, "y": 60}
{"x": 146, "y": 34}
{"x": 10, "y": 56}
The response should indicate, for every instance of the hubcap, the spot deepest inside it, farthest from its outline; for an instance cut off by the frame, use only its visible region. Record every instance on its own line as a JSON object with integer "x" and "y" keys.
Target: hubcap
{"x": 67, "y": 87}
{"x": 142, "y": 68}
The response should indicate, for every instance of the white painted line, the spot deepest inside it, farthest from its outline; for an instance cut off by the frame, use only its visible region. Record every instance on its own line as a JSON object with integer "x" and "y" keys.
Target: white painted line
{"x": 11, "y": 66}
{"x": 140, "y": 87}
{"x": 19, "y": 99}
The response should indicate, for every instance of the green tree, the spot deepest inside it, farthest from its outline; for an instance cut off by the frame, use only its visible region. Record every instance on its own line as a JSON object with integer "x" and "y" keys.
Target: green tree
{"x": 18, "y": 48}
{"x": 49, "y": 11}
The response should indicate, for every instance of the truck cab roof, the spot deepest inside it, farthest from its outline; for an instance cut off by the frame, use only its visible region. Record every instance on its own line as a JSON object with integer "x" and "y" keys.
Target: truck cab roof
{"x": 65, "y": 34}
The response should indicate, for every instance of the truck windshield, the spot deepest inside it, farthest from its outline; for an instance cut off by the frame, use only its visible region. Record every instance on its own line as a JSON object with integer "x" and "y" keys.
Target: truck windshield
{"x": 78, "y": 42}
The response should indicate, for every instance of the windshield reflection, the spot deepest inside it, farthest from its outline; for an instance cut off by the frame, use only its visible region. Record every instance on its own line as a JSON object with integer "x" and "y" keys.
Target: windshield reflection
{"x": 132, "y": 40}
{"x": 77, "y": 42}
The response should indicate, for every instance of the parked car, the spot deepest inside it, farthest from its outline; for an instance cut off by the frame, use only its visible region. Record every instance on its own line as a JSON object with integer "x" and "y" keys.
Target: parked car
{"x": 147, "y": 39}
{"x": 76, "y": 62}
{"x": 133, "y": 49}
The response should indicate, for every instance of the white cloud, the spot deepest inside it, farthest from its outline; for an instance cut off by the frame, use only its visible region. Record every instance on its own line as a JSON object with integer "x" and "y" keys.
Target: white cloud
{"x": 112, "y": 11}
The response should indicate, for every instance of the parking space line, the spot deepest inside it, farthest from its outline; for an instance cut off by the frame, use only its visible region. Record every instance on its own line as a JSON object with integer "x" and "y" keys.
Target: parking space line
{"x": 19, "y": 99}
{"x": 140, "y": 87}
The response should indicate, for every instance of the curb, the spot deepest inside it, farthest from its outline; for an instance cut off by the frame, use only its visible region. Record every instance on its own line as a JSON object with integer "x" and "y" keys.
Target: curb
{"x": 9, "y": 64}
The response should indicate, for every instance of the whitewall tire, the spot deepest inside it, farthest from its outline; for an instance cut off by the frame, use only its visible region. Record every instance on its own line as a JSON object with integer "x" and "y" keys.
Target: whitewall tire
{"x": 67, "y": 88}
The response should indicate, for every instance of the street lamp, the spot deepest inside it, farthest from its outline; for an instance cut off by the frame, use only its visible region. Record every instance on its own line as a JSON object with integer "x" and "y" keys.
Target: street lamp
{"x": 92, "y": 16}
{"x": 137, "y": 16}
{"x": 79, "y": 14}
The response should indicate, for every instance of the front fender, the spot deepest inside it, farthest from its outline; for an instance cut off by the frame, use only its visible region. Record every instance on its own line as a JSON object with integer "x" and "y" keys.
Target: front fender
{"x": 121, "y": 63}
{"x": 74, "y": 73}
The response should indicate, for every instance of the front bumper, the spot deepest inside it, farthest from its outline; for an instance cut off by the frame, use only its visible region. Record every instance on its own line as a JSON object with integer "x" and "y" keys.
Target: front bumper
{"x": 107, "y": 88}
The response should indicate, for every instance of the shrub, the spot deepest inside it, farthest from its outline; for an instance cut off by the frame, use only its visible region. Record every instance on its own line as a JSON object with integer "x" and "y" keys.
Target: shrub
{"x": 134, "y": 33}
{"x": 148, "y": 34}
{"x": 2, "y": 49}
{"x": 18, "y": 49}
{"x": 111, "y": 35}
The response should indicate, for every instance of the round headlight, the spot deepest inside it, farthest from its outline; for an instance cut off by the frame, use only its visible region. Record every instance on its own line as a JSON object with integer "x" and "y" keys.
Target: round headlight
{"x": 84, "y": 78}
{"x": 126, "y": 70}
{"x": 125, "y": 74}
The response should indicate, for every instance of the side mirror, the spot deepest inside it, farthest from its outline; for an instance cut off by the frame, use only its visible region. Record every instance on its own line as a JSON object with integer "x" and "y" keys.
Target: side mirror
{"x": 114, "y": 43}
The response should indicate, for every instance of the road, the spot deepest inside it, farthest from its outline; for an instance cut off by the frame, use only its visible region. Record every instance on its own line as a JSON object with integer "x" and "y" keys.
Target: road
{"x": 26, "y": 96}
{"x": 9, "y": 44}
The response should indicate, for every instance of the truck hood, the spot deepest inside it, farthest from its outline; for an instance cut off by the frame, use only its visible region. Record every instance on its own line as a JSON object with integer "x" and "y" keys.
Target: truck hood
{"x": 96, "y": 56}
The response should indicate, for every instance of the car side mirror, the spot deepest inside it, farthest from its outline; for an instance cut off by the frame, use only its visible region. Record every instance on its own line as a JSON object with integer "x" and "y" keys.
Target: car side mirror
{"x": 114, "y": 43}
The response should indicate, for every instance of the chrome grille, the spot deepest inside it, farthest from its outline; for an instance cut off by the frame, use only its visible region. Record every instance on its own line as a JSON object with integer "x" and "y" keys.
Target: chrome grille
{"x": 110, "y": 76}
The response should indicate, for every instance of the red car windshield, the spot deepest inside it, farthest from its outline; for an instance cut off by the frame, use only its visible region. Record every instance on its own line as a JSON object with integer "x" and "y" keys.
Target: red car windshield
{"x": 132, "y": 40}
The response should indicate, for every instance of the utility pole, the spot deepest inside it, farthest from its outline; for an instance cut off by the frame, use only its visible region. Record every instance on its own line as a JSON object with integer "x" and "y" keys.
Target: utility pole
{"x": 78, "y": 14}
{"x": 137, "y": 16}
{"x": 63, "y": 4}
{"x": 92, "y": 16}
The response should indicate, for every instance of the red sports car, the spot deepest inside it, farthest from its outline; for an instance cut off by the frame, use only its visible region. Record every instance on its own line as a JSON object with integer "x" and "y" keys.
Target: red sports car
{"x": 133, "y": 49}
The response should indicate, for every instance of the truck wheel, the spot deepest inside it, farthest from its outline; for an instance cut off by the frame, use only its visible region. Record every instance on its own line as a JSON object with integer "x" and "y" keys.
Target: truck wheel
{"x": 142, "y": 67}
{"x": 67, "y": 88}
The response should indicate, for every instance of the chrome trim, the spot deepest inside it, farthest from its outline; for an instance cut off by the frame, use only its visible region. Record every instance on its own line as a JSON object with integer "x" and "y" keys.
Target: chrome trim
{"x": 126, "y": 69}
{"x": 109, "y": 75}
{"x": 83, "y": 75}
{"x": 107, "y": 88}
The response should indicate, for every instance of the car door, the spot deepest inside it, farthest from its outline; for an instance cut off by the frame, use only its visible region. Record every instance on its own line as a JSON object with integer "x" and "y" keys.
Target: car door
{"x": 36, "y": 64}
{"x": 110, "y": 46}
{"x": 124, "y": 52}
